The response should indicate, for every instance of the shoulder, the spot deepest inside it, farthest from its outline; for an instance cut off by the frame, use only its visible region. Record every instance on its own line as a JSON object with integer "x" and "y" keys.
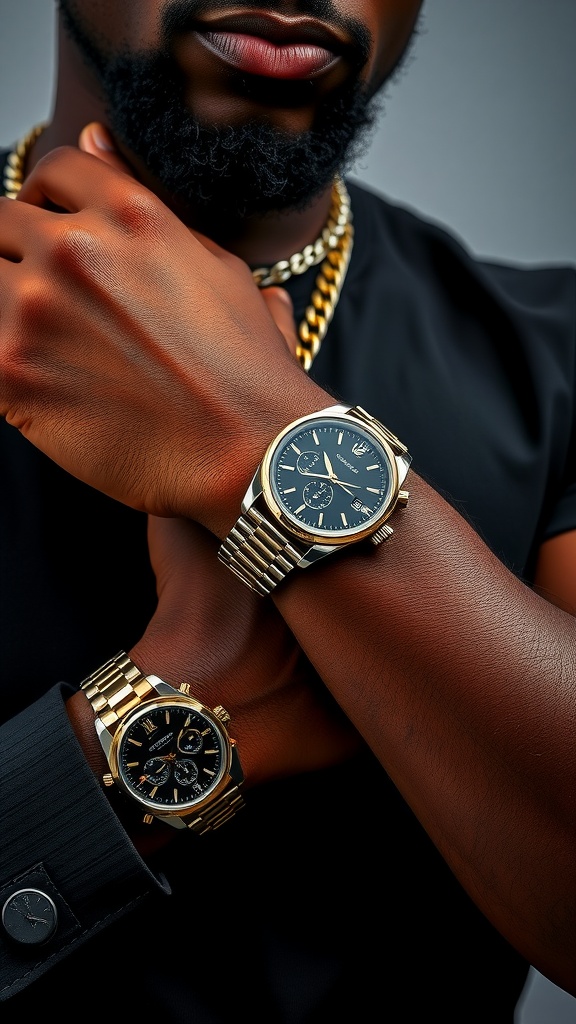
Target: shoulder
{"x": 399, "y": 240}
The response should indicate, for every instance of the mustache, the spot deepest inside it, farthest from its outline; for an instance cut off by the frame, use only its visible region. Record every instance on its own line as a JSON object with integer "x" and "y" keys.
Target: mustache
{"x": 182, "y": 15}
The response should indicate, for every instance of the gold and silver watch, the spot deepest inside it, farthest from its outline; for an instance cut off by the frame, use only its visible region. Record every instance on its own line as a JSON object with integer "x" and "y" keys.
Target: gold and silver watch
{"x": 326, "y": 481}
{"x": 168, "y": 753}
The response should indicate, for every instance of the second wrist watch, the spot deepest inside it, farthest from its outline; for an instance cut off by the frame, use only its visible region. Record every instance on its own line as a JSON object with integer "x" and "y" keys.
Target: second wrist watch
{"x": 326, "y": 481}
{"x": 168, "y": 753}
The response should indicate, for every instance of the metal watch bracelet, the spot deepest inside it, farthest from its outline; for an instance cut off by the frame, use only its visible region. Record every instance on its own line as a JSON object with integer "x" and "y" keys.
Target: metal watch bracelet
{"x": 258, "y": 552}
{"x": 116, "y": 688}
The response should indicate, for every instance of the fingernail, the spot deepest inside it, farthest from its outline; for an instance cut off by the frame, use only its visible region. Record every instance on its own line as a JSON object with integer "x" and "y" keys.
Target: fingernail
{"x": 282, "y": 294}
{"x": 102, "y": 139}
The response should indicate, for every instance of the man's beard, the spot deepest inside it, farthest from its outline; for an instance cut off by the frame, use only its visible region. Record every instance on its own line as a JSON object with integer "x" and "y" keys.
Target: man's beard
{"x": 224, "y": 172}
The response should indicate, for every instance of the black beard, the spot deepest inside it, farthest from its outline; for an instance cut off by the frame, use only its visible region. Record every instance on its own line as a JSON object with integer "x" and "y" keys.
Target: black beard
{"x": 236, "y": 170}
{"x": 231, "y": 172}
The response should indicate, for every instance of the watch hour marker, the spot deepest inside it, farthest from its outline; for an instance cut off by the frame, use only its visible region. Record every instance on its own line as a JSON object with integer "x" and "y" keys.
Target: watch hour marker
{"x": 153, "y": 791}
{"x": 315, "y": 436}
{"x": 210, "y": 752}
{"x": 136, "y": 743}
{"x": 320, "y": 519}
{"x": 208, "y": 772}
{"x": 344, "y": 520}
{"x": 297, "y": 450}
{"x": 175, "y": 795}
{"x": 167, "y": 717}
{"x": 133, "y": 764}
{"x": 291, "y": 468}
{"x": 374, "y": 490}
{"x": 372, "y": 467}
{"x": 340, "y": 436}
{"x": 289, "y": 490}
{"x": 299, "y": 509}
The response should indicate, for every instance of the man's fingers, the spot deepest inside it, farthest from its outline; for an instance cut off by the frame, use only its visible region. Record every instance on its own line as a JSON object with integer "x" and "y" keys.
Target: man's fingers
{"x": 97, "y": 140}
{"x": 280, "y": 305}
{"x": 72, "y": 180}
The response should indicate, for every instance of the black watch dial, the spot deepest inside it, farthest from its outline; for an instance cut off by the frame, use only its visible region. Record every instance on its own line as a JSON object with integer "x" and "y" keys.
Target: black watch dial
{"x": 331, "y": 478}
{"x": 170, "y": 756}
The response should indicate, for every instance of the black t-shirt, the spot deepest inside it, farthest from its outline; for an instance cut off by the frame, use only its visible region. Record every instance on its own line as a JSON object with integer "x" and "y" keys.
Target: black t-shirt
{"x": 324, "y": 901}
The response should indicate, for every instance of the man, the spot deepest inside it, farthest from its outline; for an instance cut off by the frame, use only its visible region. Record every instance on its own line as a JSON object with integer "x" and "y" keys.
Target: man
{"x": 400, "y": 712}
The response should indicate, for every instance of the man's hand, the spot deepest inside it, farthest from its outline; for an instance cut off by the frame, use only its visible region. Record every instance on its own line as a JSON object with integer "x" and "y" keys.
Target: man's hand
{"x": 96, "y": 139}
{"x": 235, "y": 649}
{"x": 141, "y": 360}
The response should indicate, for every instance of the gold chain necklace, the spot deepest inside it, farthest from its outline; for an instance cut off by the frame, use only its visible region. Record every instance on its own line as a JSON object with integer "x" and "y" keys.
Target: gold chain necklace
{"x": 16, "y": 164}
{"x": 332, "y": 249}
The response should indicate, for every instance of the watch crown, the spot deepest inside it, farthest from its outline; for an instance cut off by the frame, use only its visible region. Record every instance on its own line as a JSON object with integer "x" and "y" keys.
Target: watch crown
{"x": 107, "y": 779}
{"x": 403, "y": 498}
{"x": 185, "y": 688}
{"x": 148, "y": 819}
{"x": 382, "y": 534}
{"x": 221, "y": 714}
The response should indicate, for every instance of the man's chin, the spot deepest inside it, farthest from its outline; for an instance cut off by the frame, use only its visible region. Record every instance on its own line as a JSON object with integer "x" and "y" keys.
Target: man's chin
{"x": 237, "y": 170}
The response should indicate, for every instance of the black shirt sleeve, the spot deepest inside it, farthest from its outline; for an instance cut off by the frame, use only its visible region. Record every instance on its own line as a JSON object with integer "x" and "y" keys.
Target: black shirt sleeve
{"x": 61, "y": 836}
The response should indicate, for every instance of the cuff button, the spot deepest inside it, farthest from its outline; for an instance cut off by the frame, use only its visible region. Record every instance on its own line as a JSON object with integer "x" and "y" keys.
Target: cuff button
{"x": 29, "y": 916}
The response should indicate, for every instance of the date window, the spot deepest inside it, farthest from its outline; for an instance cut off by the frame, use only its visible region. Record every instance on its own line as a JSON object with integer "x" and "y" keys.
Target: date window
{"x": 359, "y": 507}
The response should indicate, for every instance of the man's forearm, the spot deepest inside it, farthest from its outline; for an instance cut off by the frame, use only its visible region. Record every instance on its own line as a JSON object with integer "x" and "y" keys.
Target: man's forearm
{"x": 461, "y": 680}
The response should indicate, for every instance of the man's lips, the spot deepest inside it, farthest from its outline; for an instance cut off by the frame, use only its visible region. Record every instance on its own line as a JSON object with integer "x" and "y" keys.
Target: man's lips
{"x": 257, "y": 56}
{"x": 270, "y": 45}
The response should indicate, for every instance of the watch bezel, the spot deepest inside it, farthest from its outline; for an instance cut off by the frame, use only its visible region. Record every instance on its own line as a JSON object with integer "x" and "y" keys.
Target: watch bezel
{"x": 340, "y": 537}
{"x": 218, "y": 785}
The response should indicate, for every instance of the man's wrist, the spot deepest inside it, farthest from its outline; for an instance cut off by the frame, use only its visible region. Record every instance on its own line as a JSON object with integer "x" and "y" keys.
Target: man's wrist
{"x": 81, "y": 718}
{"x": 298, "y": 399}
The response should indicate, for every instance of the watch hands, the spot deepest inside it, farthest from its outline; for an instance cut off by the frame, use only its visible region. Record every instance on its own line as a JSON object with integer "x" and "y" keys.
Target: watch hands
{"x": 30, "y": 917}
{"x": 328, "y": 465}
{"x": 24, "y": 913}
{"x": 333, "y": 479}
{"x": 343, "y": 486}
{"x": 331, "y": 476}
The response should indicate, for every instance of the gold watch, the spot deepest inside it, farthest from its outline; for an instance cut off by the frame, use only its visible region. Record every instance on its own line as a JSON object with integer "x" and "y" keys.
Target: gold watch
{"x": 168, "y": 753}
{"x": 328, "y": 480}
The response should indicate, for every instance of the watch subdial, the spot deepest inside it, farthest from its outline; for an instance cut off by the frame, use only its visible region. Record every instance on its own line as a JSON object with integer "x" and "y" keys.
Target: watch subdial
{"x": 307, "y": 462}
{"x": 185, "y": 772}
{"x": 189, "y": 741}
{"x": 318, "y": 494}
{"x": 156, "y": 771}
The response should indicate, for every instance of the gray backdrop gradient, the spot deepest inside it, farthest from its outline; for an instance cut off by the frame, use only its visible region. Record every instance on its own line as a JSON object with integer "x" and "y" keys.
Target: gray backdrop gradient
{"x": 477, "y": 133}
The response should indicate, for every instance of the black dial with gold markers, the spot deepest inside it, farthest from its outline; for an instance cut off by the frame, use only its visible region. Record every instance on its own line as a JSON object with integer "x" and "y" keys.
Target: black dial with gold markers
{"x": 170, "y": 755}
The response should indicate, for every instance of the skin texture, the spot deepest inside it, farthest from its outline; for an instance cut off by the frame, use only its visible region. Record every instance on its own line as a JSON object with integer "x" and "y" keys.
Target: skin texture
{"x": 474, "y": 722}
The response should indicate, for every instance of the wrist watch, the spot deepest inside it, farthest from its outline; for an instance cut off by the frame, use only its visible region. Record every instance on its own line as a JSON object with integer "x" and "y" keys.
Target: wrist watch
{"x": 326, "y": 481}
{"x": 168, "y": 753}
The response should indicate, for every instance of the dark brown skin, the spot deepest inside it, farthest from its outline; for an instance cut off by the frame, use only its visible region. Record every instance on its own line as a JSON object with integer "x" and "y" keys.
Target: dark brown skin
{"x": 458, "y": 676}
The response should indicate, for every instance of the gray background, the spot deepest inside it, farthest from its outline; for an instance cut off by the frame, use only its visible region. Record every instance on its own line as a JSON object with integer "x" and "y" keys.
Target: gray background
{"x": 477, "y": 133}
